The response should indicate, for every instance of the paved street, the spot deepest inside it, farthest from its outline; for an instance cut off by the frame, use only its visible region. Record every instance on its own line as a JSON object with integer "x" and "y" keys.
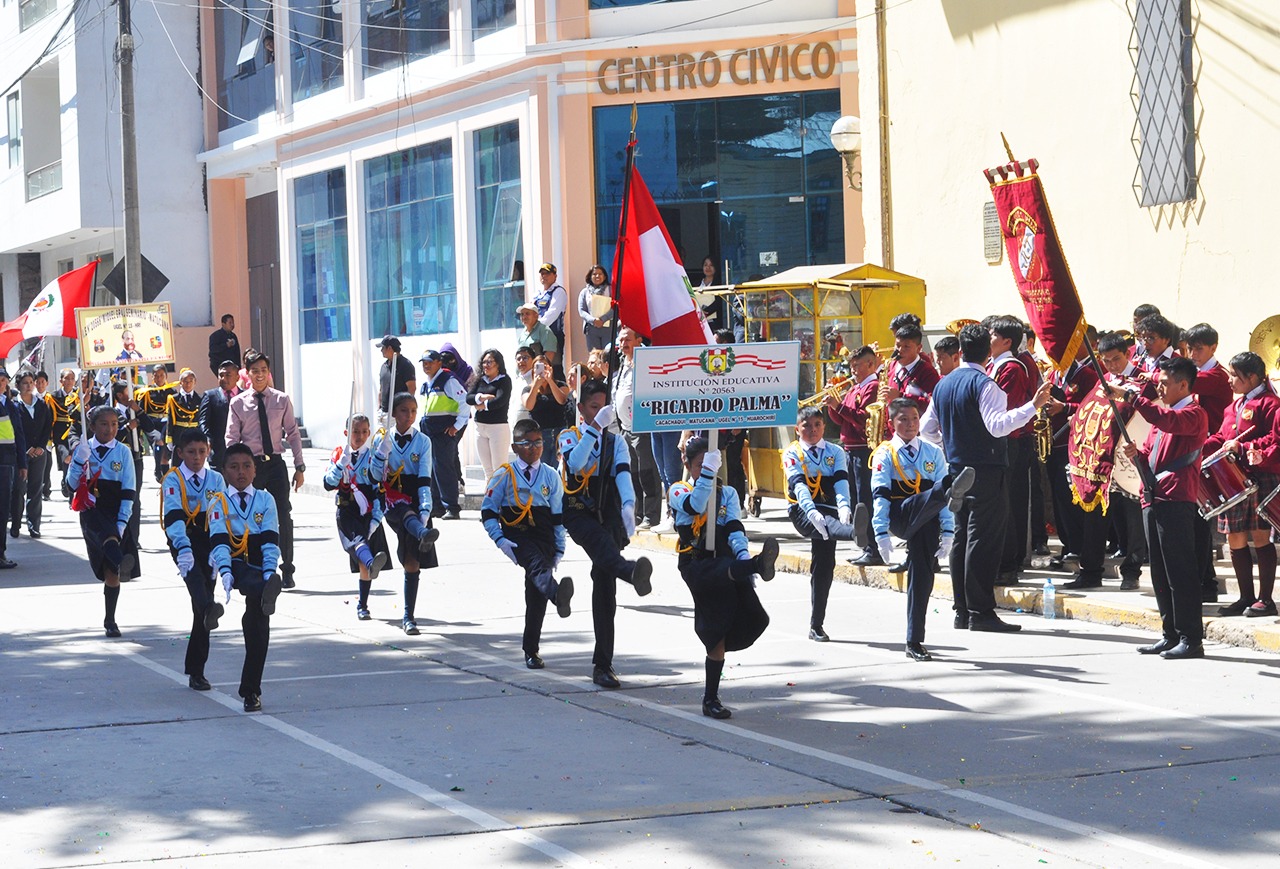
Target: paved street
{"x": 1058, "y": 746}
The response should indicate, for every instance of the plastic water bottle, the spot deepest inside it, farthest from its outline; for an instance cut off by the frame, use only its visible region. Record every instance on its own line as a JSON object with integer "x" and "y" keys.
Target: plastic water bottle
{"x": 1049, "y": 599}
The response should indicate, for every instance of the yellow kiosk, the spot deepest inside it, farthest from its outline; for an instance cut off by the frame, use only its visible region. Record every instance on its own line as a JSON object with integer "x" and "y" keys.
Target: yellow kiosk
{"x": 825, "y": 308}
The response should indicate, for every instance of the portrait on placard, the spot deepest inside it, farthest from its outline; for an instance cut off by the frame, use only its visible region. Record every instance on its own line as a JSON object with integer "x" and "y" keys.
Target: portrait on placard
{"x": 137, "y": 335}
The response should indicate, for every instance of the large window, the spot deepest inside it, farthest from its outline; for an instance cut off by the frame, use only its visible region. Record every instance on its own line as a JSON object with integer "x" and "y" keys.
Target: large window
{"x": 246, "y": 45}
{"x": 316, "y": 48}
{"x": 398, "y": 31}
{"x": 490, "y": 15}
{"x": 31, "y": 11}
{"x": 324, "y": 290}
{"x": 753, "y": 181}
{"x": 499, "y": 225}
{"x": 413, "y": 283}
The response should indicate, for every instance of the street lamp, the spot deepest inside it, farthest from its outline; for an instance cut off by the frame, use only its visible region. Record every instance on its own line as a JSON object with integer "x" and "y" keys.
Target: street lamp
{"x": 846, "y": 138}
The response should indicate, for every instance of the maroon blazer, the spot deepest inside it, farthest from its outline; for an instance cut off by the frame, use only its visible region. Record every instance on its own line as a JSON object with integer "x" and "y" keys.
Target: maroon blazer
{"x": 1179, "y": 432}
{"x": 851, "y": 415}
{"x": 1018, "y": 384}
{"x": 918, "y": 383}
{"x": 1213, "y": 392}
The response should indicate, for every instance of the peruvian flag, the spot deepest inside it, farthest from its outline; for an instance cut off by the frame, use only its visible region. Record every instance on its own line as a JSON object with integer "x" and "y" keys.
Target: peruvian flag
{"x": 657, "y": 300}
{"x": 52, "y": 313}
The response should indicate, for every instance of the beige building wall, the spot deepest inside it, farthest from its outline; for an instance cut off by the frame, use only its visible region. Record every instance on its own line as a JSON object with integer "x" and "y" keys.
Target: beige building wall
{"x": 1055, "y": 77}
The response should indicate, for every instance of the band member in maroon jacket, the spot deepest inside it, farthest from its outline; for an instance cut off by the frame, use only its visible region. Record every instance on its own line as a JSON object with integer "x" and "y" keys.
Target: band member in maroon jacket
{"x": 851, "y": 416}
{"x": 1039, "y": 534}
{"x": 1172, "y": 449}
{"x": 1068, "y": 389}
{"x": 911, "y": 375}
{"x": 1249, "y": 420}
{"x": 1213, "y": 392}
{"x": 1011, "y": 375}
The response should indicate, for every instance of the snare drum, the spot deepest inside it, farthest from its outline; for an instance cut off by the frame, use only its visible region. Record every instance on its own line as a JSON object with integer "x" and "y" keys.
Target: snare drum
{"x": 1269, "y": 509}
{"x": 1222, "y": 484}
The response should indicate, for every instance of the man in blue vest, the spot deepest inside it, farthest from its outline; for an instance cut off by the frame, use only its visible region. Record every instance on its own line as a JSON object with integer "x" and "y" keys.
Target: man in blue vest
{"x": 970, "y": 418}
{"x": 444, "y": 417}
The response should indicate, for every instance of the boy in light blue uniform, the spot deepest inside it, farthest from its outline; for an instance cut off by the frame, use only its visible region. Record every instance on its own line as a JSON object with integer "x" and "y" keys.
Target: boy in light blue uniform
{"x": 915, "y": 500}
{"x": 817, "y": 475}
{"x": 244, "y": 529}
{"x": 105, "y": 490}
{"x": 402, "y": 462}
{"x": 358, "y": 496}
{"x": 523, "y": 514}
{"x": 185, "y": 495}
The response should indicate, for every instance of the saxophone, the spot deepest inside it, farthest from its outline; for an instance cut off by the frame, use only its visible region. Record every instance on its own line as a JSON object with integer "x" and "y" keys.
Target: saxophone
{"x": 1042, "y": 427}
{"x": 876, "y": 410}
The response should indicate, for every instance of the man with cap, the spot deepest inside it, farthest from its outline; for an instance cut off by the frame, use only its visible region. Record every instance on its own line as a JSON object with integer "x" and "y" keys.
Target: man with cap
{"x": 224, "y": 346}
{"x": 535, "y": 331}
{"x": 404, "y": 379}
{"x": 551, "y": 301}
{"x": 444, "y": 416}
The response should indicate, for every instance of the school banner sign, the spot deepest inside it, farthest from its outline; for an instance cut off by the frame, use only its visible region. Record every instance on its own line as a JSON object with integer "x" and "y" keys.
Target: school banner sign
{"x": 716, "y": 386}
{"x": 125, "y": 336}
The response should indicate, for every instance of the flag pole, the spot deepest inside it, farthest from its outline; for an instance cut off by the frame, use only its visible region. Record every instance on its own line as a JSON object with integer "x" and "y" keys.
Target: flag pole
{"x": 615, "y": 290}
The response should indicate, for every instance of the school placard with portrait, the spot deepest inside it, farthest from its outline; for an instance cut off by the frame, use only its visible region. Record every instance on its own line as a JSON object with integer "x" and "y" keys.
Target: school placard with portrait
{"x": 125, "y": 335}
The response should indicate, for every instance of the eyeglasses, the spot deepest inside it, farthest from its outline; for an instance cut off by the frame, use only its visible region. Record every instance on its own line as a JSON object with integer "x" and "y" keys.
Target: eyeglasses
{"x": 487, "y": 362}
{"x": 536, "y": 443}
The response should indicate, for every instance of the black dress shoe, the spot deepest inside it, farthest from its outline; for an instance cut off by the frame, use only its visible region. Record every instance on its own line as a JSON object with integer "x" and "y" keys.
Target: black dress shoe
{"x": 253, "y": 703}
{"x": 917, "y": 652}
{"x": 1184, "y": 650}
{"x": 818, "y": 635}
{"x": 640, "y": 574}
{"x": 34, "y": 532}
{"x": 992, "y": 624}
{"x": 271, "y": 593}
{"x": 868, "y": 558}
{"x": 287, "y": 582}
{"x": 1235, "y": 608}
{"x": 1057, "y": 562}
{"x": 6, "y": 564}
{"x": 199, "y": 683}
{"x": 961, "y": 622}
{"x": 533, "y": 661}
{"x": 960, "y": 487}
{"x": 212, "y": 613}
{"x": 13, "y": 532}
{"x": 1079, "y": 582}
{"x": 428, "y": 539}
{"x": 1163, "y": 644}
{"x": 605, "y": 677}
{"x": 112, "y": 629}
{"x": 1130, "y": 584}
{"x": 712, "y": 709}
{"x": 410, "y": 627}
{"x": 455, "y": 513}
{"x": 1008, "y": 577}
{"x": 1260, "y": 609}
{"x": 1041, "y": 549}
{"x": 564, "y": 594}
{"x": 767, "y": 558}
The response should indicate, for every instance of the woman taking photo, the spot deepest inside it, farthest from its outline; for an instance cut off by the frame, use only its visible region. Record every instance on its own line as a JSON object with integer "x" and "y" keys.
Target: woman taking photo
{"x": 545, "y": 403}
{"x": 490, "y": 393}
{"x": 594, "y": 299}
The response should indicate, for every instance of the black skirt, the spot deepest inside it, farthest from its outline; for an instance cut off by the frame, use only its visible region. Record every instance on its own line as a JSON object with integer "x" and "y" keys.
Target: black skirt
{"x": 723, "y": 609}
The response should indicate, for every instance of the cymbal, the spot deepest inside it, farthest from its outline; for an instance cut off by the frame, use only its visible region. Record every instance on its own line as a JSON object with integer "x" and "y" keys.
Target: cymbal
{"x": 1265, "y": 341}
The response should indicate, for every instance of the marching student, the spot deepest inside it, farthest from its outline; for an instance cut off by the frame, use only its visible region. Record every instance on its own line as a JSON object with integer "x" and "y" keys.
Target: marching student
{"x": 727, "y": 614}
{"x": 185, "y": 493}
{"x": 1126, "y": 512}
{"x": 818, "y": 492}
{"x": 523, "y": 514}
{"x": 37, "y": 424}
{"x": 600, "y": 516}
{"x": 181, "y": 409}
{"x": 102, "y": 478}
{"x": 153, "y": 401}
{"x": 359, "y": 506}
{"x": 915, "y": 501}
{"x": 131, "y": 433}
{"x": 851, "y": 415}
{"x": 65, "y": 404}
{"x": 244, "y": 529}
{"x": 1248, "y": 422}
{"x": 1212, "y": 390}
{"x": 401, "y": 460}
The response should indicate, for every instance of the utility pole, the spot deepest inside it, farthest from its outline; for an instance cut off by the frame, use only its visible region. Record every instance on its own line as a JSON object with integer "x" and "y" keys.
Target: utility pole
{"x": 129, "y": 155}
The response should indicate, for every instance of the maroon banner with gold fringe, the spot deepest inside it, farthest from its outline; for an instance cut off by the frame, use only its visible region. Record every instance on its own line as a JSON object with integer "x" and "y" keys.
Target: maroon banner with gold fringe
{"x": 1091, "y": 449}
{"x": 1035, "y": 255}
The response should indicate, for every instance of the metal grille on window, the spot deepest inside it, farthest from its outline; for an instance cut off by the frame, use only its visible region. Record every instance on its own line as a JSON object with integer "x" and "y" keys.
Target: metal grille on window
{"x": 1163, "y": 96}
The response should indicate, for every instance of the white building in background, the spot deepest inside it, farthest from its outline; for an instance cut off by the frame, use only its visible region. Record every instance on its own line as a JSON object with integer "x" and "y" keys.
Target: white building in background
{"x": 60, "y": 173}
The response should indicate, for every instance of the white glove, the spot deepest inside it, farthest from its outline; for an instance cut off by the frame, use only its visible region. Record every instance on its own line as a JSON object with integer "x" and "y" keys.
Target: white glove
{"x": 944, "y": 548}
{"x": 846, "y": 516}
{"x": 83, "y": 451}
{"x": 227, "y": 582}
{"x": 344, "y": 460}
{"x": 629, "y": 518}
{"x": 120, "y": 529}
{"x": 885, "y": 545}
{"x": 384, "y": 446}
{"x": 819, "y": 522}
{"x": 711, "y": 461}
{"x": 508, "y": 549}
{"x": 604, "y": 416}
{"x": 186, "y": 561}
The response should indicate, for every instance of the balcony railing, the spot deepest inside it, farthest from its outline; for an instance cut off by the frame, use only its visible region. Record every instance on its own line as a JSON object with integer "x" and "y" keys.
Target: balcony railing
{"x": 45, "y": 180}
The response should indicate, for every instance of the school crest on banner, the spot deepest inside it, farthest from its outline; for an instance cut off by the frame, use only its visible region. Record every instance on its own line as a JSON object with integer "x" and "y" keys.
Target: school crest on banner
{"x": 1091, "y": 448}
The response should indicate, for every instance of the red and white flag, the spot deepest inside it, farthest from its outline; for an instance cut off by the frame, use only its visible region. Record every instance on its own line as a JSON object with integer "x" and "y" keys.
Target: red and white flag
{"x": 52, "y": 312}
{"x": 654, "y": 294}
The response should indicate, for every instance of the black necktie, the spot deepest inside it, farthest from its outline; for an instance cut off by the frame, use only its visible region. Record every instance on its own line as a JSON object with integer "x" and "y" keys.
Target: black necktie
{"x": 267, "y": 448}
{"x": 911, "y": 452}
{"x": 102, "y": 451}
{"x": 355, "y": 457}
{"x": 528, "y": 473}
{"x": 195, "y": 481}
{"x": 402, "y": 440}
{"x": 244, "y": 502}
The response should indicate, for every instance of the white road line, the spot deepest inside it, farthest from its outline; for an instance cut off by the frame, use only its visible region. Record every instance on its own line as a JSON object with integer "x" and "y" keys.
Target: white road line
{"x": 350, "y": 675}
{"x": 893, "y": 775}
{"x": 480, "y": 818}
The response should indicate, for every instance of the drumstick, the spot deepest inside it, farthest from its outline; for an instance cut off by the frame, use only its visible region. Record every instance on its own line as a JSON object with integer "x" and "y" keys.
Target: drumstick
{"x": 1223, "y": 449}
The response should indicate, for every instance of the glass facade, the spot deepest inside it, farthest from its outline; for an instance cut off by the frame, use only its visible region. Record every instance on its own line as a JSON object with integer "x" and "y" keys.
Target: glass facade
{"x": 499, "y": 225}
{"x": 490, "y": 15}
{"x": 324, "y": 288}
{"x": 398, "y": 31}
{"x": 753, "y": 181}
{"x": 614, "y": 4}
{"x": 245, "y": 39}
{"x": 412, "y": 268}
{"x": 315, "y": 51}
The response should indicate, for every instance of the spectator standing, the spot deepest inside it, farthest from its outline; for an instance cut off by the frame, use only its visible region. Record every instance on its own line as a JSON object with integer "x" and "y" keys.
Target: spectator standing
{"x": 13, "y": 457}
{"x": 551, "y": 301}
{"x": 37, "y": 425}
{"x": 404, "y": 379}
{"x": 453, "y": 360}
{"x": 523, "y": 381}
{"x": 535, "y": 333}
{"x": 223, "y": 344}
{"x": 490, "y": 395}
{"x": 214, "y": 406}
{"x": 596, "y": 329}
{"x": 444, "y": 418}
{"x": 545, "y": 402}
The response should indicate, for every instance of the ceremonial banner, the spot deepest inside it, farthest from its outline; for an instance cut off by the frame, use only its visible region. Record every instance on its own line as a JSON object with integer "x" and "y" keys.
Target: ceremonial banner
{"x": 124, "y": 336}
{"x": 721, "y": 386}
{"x": 1091, "y": 451}
{"x": 1035, "y": 256}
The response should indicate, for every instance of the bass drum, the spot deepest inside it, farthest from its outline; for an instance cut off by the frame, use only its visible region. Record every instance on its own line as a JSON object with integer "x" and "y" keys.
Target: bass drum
{"x": 1123, "y": 474}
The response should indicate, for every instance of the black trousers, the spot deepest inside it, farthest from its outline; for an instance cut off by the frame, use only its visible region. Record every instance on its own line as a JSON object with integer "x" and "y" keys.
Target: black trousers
{"x": 1066, "y": 513}
{"x": 8, "y": 477}
{"x": 979, "y": 542}
{"x": 860, "y": 481}
{"x": 1018, "y": 489}
{"x": 199, "y": 581}
{"x": 536, "y": 555}
{"x": 47, "y": 482}
{"x": 644, "y": 472}
{"x": 915, "y": 520}
{"x": 1132, "y": 532}
{"x": 822, "y": 570}
{"x": 1092, "y": 545}
{"x": 256, "y": 625}
{"x": 444, "y": 472}
{"x": 273, "y": 476}
{"x": 1039, "y": 537}
{"x": 1175, "y": 575}
{"x": 1204, "y": 553}
{"x": 27, "y": 494}
{"x": 607, "y": 567}
{"x": 735, "y": 466}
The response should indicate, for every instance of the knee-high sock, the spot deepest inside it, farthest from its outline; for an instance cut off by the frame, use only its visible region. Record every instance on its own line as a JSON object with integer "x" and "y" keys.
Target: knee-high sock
{"x": 1242, "y": 562}
{"x": 714, "y": 668}
{"x": 1266, "y": 558}
{"x": 410, "y": 593}
{"x": 364, "y": 555}
{"x": 112, "y": 595}
{"x": 740, "y": 570}
{"x": 113, "y": 553}
{"x": 365, "y": 585}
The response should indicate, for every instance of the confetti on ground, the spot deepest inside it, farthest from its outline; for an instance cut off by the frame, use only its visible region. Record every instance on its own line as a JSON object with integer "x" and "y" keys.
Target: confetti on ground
{"x": 455, "y": 789}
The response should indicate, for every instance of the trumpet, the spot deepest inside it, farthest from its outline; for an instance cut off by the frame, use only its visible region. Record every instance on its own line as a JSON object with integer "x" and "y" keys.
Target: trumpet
{"x": 836, "y": 389}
